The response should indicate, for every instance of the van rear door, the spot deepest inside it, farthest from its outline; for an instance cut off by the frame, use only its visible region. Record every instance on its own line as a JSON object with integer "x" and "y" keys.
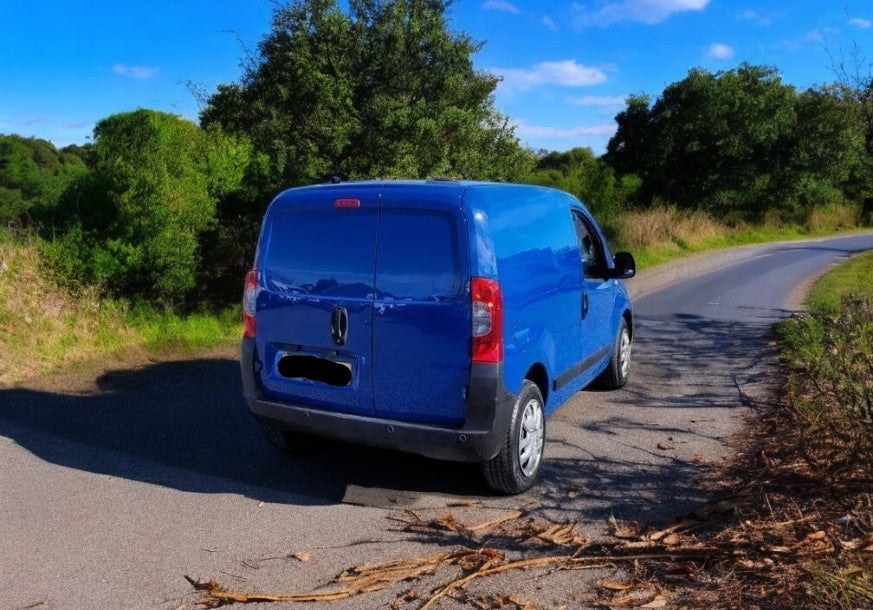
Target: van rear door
{"x": 421, "y": 321}
{"x": 315, "y": 320}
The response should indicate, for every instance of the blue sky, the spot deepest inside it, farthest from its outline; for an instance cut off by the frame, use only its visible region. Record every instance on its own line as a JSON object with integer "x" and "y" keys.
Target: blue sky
{"x": 567, "y": 65}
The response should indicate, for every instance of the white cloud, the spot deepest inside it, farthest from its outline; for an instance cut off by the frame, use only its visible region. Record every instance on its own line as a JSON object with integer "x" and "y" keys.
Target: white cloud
{"x": 860, "y": 22}
{"x": 719, "y": 50}
{"x": 566, "y": 73}
{"x": 814, "y": 37}
{"x": 523, "y": 130}
{"x": 549, "y": 23}
{"x": 137, "y": 72}
{"x": 75, "y": 124}
{"x": 597, "y": 100}
{"x": 756, "y": 17}
{"x": 500, "y": 5}
{"x": 641, "y": 11}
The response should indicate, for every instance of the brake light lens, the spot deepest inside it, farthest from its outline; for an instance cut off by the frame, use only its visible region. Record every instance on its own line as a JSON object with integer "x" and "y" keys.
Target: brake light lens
{"x": 347, "y": 203}
{"x": 487, "y": 320}
{"x": 250, "y": 298}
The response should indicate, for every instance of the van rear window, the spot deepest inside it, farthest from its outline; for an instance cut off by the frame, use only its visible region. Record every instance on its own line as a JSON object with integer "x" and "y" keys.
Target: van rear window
{"x": 328, "y": 252}
{"x": 418, "y": 256}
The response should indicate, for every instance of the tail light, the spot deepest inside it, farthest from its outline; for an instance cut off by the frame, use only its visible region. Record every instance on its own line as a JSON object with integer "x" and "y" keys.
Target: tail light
{"x": 487, "y": 320}
{"x": 250, "y": 298}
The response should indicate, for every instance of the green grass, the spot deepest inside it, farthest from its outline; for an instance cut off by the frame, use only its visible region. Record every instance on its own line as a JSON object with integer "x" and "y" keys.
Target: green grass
{"x": 163, "y": 331}
{"x": 853, "y": 277}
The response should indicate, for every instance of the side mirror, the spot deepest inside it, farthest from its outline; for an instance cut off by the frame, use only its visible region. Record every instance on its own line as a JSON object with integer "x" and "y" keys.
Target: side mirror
{"x": 625, "y": 266}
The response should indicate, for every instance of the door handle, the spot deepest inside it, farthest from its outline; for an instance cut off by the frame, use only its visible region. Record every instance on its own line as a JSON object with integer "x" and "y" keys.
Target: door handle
{"x": 584, "y": 305}
{"x": 339, "y": 325}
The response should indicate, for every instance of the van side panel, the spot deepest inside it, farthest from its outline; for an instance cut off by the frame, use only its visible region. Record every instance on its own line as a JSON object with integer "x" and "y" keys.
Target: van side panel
{"x": 524, "y": 237}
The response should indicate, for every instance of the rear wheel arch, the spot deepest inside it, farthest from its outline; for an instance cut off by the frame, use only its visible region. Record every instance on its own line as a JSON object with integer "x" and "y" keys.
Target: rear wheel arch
{"x": 537, "y": 374}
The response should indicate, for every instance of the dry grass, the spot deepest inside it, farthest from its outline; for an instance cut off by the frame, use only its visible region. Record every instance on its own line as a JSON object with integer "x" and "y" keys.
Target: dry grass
{"x": 834, "y": 217}
{"x": 668, "y": 227}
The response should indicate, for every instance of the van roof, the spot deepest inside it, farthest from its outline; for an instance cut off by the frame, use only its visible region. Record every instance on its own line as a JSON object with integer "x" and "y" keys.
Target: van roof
{"x": 433, "y": 183}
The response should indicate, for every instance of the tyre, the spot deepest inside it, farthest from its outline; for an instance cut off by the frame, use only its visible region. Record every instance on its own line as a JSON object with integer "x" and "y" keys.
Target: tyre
{"x": 290, "y": 442}
{"x": 616, "y": 373}
{"x": 516, "y": 466}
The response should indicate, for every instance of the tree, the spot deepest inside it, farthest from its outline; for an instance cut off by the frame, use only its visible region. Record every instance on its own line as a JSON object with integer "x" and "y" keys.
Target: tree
{"x": 135, "y": 221}
{"x": 33, "y": 174}
{"x": 827, "y": 162}
{"x": 591, "y": 179}
{"x": 383, "y": 90}
{"x": 710, "y": 141}
{"x": 741, "y": 144}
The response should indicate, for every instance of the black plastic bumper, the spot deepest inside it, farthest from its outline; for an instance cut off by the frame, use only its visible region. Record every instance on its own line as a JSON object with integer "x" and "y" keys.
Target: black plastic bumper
{"x": 489, "y": 411}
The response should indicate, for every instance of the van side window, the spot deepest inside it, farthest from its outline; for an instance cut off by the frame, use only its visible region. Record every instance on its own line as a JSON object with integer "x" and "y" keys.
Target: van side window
{"x": 590, "y": 248}
{"x": 418, "y": 256}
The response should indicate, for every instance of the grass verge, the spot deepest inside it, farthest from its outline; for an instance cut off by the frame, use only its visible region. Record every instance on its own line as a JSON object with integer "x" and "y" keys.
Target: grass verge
{"x": 44, "y": 327}
{"x": 797, "y": 523}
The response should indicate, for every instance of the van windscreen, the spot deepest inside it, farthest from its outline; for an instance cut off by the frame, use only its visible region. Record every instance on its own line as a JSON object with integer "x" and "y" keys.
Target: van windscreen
{"x": 326, "y": 252}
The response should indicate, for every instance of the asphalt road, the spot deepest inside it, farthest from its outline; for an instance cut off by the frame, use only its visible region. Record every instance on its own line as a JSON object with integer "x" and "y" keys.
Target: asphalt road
{"x": 116, "y": 483}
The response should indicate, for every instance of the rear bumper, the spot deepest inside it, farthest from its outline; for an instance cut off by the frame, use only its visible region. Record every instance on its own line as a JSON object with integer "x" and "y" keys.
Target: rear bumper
{"x": 489, "y": 411}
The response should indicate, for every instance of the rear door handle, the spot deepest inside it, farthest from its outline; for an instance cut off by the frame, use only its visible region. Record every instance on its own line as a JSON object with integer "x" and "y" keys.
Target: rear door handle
{"x": 339, "y": 325}
{"x": 584, "y": 305}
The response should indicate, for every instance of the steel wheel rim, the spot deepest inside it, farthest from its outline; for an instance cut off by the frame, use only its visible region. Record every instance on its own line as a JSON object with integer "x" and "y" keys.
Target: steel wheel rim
{"x": 530, "y": 437}
{"x": 624, "y": 352}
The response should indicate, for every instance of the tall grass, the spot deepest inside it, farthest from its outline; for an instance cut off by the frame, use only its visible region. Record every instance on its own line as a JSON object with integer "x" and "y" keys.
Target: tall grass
{"x": 664, "y": 233}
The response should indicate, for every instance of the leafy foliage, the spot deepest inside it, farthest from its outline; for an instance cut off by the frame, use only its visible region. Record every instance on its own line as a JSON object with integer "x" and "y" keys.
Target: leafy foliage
{"x": 741, "y": 143}
{"x": 591, "y": 179}
{"x": 33, "y": 174}
{"x": 136, "y": 220}
{"x": 383, "y": 90}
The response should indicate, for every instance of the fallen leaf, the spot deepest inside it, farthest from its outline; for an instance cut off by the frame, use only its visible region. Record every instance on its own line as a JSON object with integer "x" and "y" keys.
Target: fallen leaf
{"x": 260, "y": 504}
{"x": 659, "y": 602}
{"x": 623, "y": 529}
{"x": 672, "y": 539}
{"x": 634, "y": 599}
{"x": 302, "y": 555}
{"x": 616, "y": 586}
{"x": 464, "y": 504}
{"x": 697, "y": 458}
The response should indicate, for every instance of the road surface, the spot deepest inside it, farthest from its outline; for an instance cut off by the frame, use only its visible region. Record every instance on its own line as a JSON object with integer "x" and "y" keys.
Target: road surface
{"x": 115, "y": 483}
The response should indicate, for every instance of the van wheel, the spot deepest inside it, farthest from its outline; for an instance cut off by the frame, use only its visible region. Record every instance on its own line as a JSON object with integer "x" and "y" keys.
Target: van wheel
{"x": 515, "y": 467}
{"x": 290, "y": 442}
{"x": 616, "y": 374}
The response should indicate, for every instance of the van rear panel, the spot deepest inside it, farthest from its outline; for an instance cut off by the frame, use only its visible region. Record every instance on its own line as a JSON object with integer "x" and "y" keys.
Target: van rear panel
{"x": 394, "y": 269}
{"x": 421, "y": 323}
{"x": 317, "y": 265}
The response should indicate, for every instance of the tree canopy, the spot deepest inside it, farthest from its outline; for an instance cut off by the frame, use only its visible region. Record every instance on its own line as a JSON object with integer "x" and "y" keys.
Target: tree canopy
{"x": 135, "y": 221}
{"x": 742, "y": 142}
{"x": 33, "y": 173}
{"x": 384, "y": 89}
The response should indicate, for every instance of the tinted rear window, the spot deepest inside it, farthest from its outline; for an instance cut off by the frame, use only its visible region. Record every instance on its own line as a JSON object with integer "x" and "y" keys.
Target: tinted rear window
{"x": 327, "y": 252}
{"x": 418, "y": 256}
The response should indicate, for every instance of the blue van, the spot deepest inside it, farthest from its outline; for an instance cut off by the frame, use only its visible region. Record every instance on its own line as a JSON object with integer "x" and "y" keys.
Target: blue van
{"x": 442, "y": 318}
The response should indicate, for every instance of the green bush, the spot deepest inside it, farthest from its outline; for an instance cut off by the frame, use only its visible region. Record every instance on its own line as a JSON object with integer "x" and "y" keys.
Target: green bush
{"x": 133, "y": 225}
